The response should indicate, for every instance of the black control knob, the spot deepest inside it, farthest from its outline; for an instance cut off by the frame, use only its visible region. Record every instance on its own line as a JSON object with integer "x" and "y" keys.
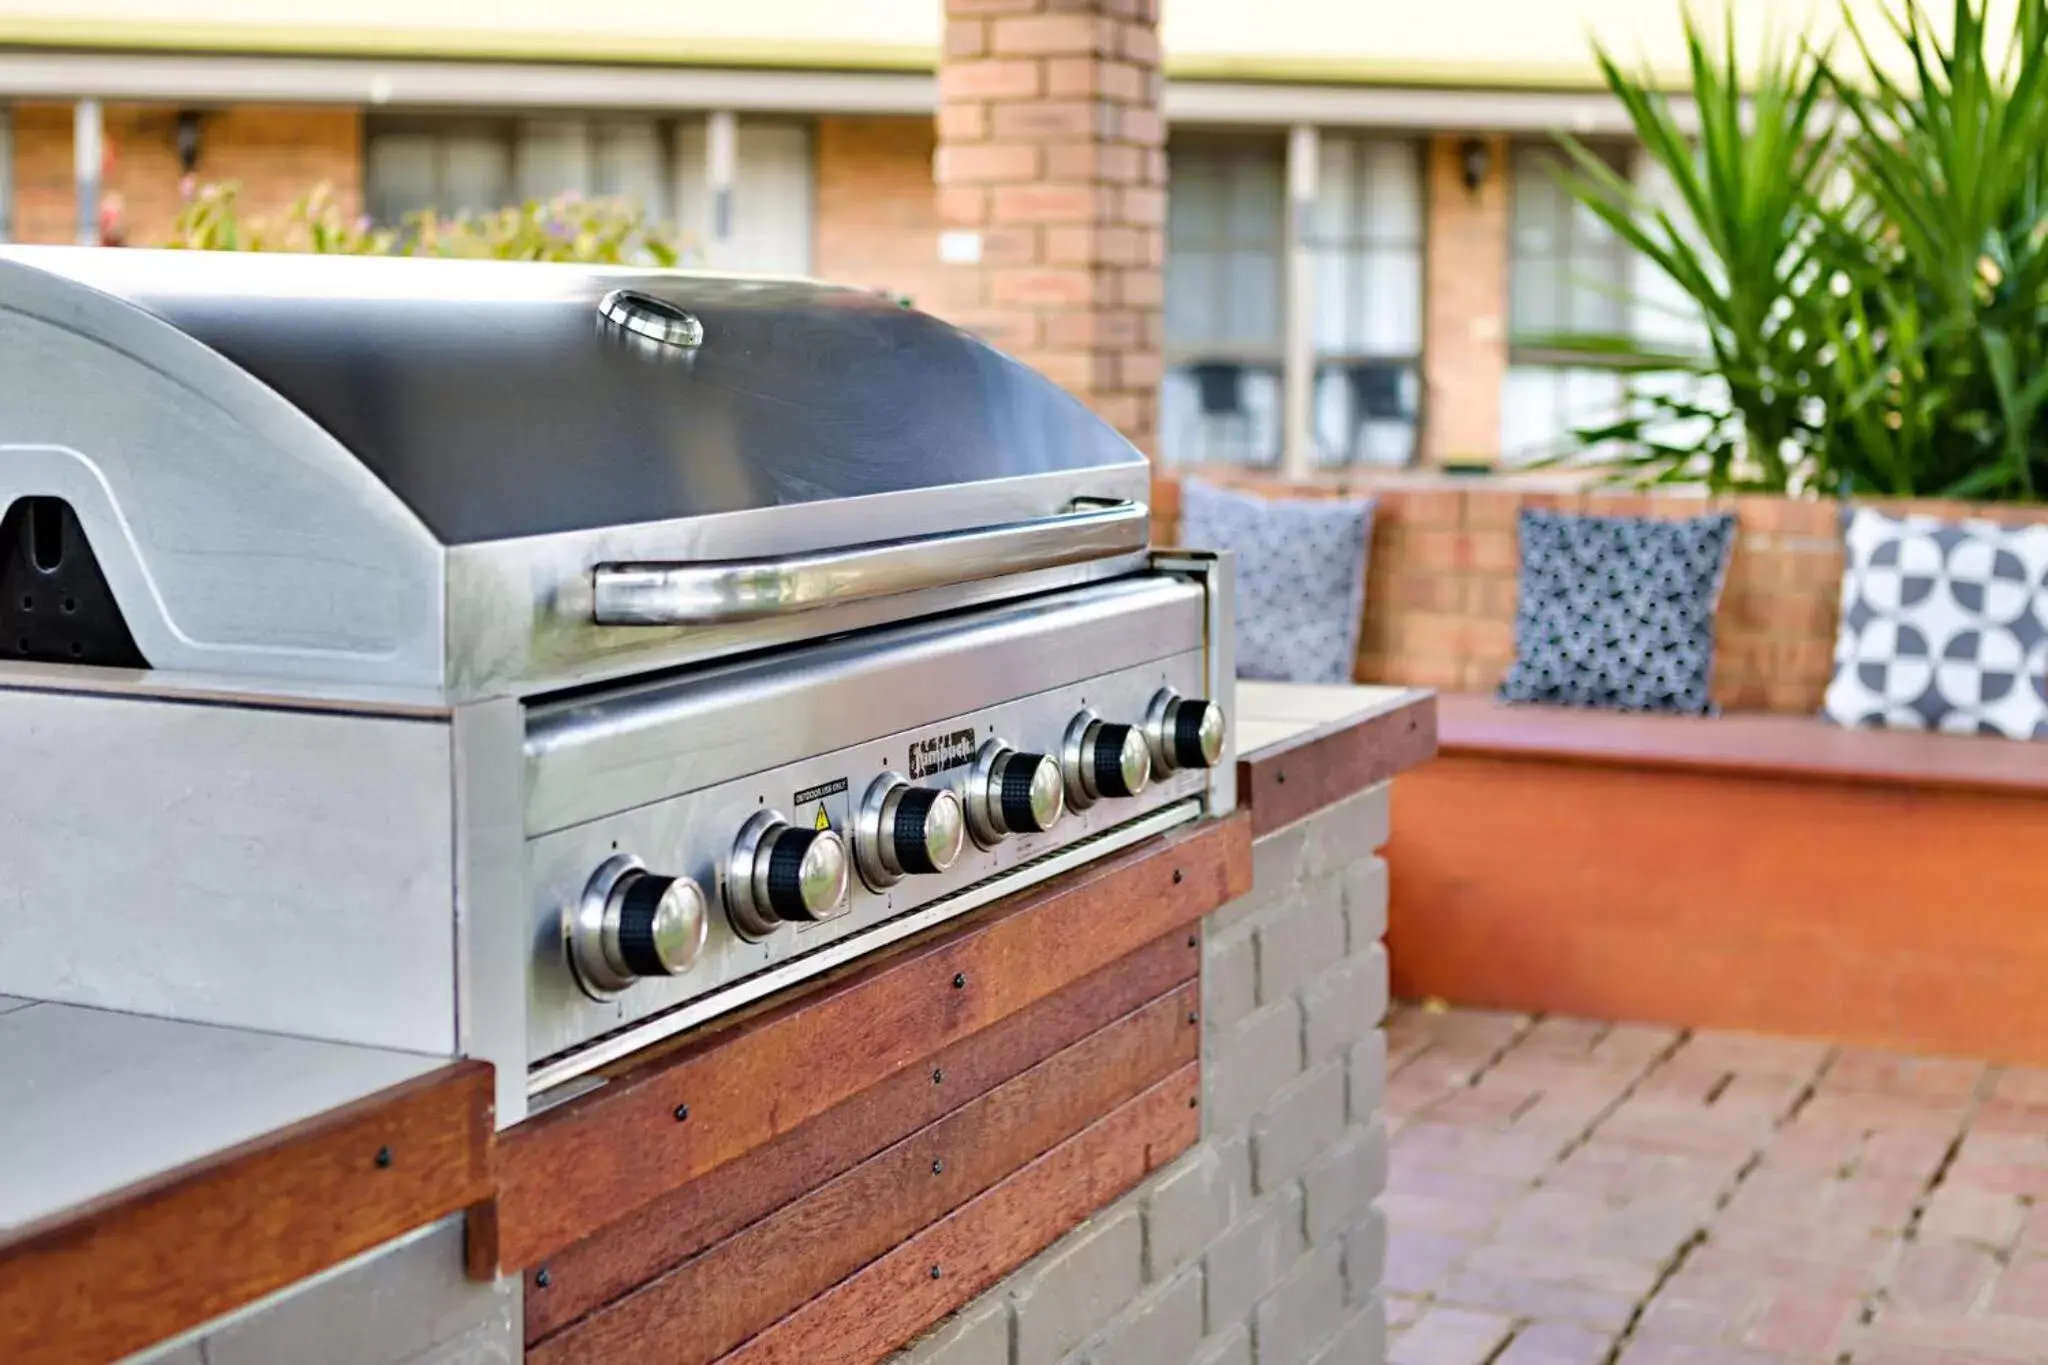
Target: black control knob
{"x": 661, "y": 925}
{"x": 1122, "y": 766}
{"x": 632, "y": 923}
{"x": 1012, "y": 793}
{"x": 1104, "y": 760}
{"x": 805, "y": 874}
{"x": 1030, "y": 793}
{"x": 780, "y": 874}
{"x": 907, "y": 830}
{"x": 1183, "y": 732}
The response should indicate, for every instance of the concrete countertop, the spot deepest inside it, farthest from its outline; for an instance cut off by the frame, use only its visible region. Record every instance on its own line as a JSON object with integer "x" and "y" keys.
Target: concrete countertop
{"x": 97, "y": 1101}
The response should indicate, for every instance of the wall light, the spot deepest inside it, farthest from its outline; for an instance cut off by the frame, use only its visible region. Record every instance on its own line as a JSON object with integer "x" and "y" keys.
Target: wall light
{"x": 188, "y": 141}
{"x": 1474, "y": 160}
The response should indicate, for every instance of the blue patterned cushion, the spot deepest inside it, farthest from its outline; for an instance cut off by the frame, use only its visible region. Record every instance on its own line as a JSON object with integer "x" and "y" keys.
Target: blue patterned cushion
{"x": 1300, "y": 577}
{"x": 1618, "y": 612}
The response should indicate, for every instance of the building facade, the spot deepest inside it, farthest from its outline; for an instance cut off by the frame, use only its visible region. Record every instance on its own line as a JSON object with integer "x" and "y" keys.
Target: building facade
{"x": 1363, "y": 235}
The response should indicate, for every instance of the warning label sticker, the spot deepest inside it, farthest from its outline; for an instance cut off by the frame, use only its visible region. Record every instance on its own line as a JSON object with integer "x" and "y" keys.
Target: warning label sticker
{"x": 823, "y": 806}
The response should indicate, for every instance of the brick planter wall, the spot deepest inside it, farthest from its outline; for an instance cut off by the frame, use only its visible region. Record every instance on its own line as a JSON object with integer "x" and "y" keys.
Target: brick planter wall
{"x": 275, "y": 153}
{"x": 1264, "y": 1242}
{"x": 1440, "y": 588}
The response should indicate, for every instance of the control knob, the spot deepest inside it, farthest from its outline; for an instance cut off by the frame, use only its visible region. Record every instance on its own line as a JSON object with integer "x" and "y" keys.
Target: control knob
{"x": 633, "y": 923}
{"x": 905, "y": 829}
{"x": 781, "y": 874}
{"x": 1183, "y": 732}
{"x": 1103, "y": 759}
{"x": 1013, "y": 793}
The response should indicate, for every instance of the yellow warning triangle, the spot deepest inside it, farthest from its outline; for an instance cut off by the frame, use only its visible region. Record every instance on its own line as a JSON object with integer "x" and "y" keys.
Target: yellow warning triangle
{"x": 823, "y": 821}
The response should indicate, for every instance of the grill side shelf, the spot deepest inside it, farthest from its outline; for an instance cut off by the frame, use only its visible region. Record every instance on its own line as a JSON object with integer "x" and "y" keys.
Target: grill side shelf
{"x": 152, "y": 1260}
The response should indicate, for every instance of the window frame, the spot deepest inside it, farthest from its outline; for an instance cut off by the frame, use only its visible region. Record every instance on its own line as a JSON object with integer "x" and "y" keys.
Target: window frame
{"x": 1261, "y": 367}
{"x": 507, "y": 129}
{"x": 1359, "y": 246}
{"x": 1618, "y": 256}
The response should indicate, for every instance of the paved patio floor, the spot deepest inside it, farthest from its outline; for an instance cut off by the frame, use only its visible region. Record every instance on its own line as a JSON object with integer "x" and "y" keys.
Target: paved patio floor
{"x": 1565, "y": 1192}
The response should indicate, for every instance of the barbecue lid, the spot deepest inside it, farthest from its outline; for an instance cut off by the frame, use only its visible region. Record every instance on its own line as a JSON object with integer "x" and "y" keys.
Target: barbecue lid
{"x": 472, "y": 440}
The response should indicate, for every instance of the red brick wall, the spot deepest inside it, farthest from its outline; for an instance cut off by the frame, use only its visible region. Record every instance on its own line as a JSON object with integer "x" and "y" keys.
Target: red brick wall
{"x": 277, "y": 154}
{"x": 877, "y": 213}
{"x": 1465, "y": 287}
{"x": 1052, "y": 149}
{"x": 1440, "y": 588}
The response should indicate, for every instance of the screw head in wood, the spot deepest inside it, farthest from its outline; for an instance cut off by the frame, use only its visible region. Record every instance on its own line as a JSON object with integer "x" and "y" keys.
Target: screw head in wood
{"x": 1177, "y": 876}
{"x": 541, "y": 1278}
{"x": 960, "y": 981}
{"x": 383, "y": 1158}
{"x": 936, "y": 1272}
{"x": 939, "y": 1076}
{"x": 682, "y": 1113}
{"x": 939, "y": 1166}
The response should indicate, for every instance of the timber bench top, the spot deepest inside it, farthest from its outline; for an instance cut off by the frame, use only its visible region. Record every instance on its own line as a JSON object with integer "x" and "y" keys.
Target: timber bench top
{"x": 1754, "y": 745}
{"x": 1304, "y": 746}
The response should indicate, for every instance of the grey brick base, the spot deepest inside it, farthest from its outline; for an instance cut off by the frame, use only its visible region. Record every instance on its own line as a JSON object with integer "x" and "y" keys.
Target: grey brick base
{"x": 1263, "y": 1245}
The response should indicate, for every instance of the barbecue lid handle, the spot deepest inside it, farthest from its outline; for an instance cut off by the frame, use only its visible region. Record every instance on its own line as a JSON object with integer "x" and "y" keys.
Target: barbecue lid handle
{"x": 714, "y": 592}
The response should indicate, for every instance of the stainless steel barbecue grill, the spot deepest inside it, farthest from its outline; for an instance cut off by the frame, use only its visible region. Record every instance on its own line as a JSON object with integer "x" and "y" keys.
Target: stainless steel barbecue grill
{"x": 535, "y": 661}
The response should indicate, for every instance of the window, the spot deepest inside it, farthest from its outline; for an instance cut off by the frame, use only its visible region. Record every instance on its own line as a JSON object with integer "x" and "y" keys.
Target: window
{"x": 1225, "y": 301}
{"x": 768, "y": 224}
{"x": 1366, "y": 233}
{"x": 1567, "y": 272}
{"x": 456, "y": 165}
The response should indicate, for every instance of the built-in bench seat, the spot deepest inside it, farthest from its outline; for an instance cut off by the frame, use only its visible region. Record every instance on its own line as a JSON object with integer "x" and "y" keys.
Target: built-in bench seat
{"x": 1762, "y": 872}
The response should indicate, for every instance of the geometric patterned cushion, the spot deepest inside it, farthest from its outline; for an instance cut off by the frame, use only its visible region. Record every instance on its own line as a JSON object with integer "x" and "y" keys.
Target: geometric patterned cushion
{"x": 1618, "y": 612}
{"x": 1944, "y": 627}
{"x": 1300, "y": 577}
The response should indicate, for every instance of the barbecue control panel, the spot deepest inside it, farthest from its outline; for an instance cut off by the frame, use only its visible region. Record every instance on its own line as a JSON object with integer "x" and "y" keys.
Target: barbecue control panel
{"x": 745, "y": 880}
{"x": 633, "y": 923}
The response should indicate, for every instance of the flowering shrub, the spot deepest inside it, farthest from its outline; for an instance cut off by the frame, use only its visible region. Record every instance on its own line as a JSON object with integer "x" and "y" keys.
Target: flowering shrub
{"x": 565, "y": 228}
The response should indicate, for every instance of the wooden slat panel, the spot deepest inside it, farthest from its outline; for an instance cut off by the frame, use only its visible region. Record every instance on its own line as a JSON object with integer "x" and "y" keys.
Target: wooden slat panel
{"x": 891, "y": 1300}
{"x": 149, "y": 1262}
{"x": 1803, "y": 747}
{"x": 570, "y": 1171}
{"x": 711, "y": 1208}
{"x": 1297, "y": 777}
{"x": 1896, "y": 918}
{"x": 708, "y": 1305}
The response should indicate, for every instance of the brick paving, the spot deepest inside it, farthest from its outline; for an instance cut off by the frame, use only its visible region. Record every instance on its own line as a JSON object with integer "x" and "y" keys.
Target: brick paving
{"x": 1568, "y": 1192}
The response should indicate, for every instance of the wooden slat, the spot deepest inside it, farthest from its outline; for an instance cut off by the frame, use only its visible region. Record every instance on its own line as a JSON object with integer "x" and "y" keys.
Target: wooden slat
{"x": 158, "y": 1258}
{"x": 711, "y": 1208}
{"x": 708, "y": 1305}
{"x": 1899, "y": 918}
{"x": 573, "y": 1169}
{"x": 890, "y": 1301}
{"x": 1754, "y": 745}
{"x": 1297, "y": 777}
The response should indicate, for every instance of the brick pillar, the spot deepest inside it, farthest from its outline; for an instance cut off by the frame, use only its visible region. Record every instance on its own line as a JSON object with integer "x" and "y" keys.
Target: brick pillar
{"x": 1465, "y": 293}
{"x": 1051, "y": 173}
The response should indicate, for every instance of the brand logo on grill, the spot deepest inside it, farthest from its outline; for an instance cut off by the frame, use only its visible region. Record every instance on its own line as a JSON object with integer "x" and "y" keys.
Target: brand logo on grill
{"x": 936, "y": 753}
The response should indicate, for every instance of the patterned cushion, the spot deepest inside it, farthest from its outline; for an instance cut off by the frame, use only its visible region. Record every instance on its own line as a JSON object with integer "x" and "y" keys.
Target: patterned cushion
{"x": 1300, "y": 577}
{"x": 1618, "y": 612}
{"x": 1944, "y": 627}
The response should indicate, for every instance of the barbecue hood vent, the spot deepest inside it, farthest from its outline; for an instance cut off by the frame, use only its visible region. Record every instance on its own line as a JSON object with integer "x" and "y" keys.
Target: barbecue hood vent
{"x": 467, "y": 479}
